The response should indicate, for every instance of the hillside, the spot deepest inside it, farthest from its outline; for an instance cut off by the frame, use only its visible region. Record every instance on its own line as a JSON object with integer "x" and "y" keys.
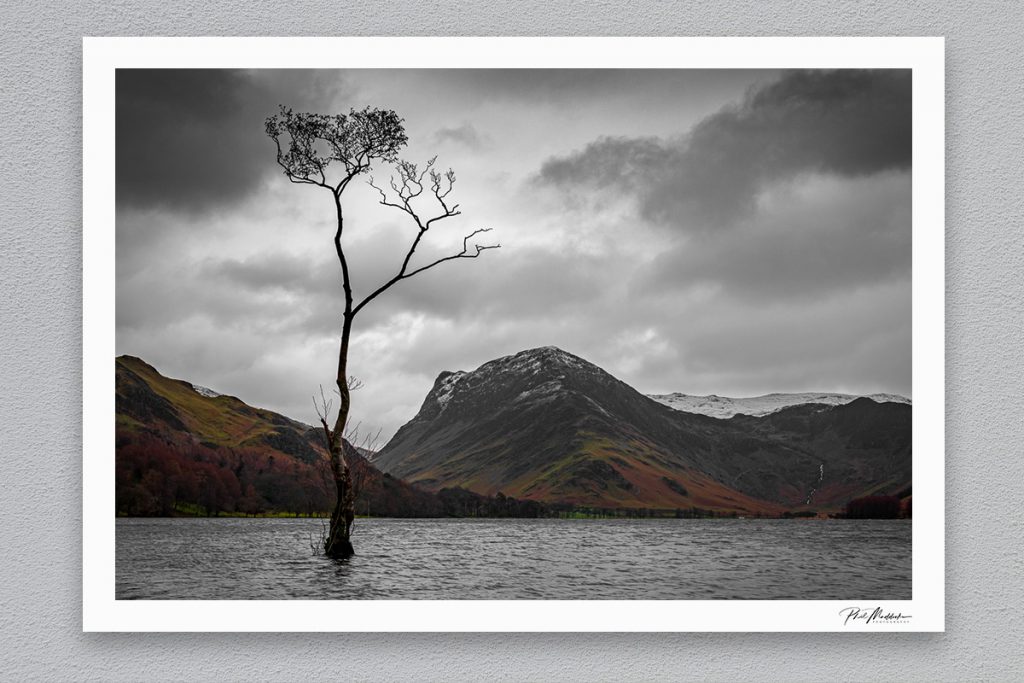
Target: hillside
{"x": 547, "y": 425}
{"x": 537, "y": 433}
{"x": 725, "y": 407}
{"x": 183, "y": 449}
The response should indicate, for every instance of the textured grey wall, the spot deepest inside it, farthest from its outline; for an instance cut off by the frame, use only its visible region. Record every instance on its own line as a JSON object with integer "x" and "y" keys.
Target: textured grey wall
{"x": 40, "y": 328}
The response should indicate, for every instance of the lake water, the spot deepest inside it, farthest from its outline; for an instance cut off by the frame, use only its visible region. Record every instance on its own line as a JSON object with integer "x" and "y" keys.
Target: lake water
{"x": 532, "y": 559}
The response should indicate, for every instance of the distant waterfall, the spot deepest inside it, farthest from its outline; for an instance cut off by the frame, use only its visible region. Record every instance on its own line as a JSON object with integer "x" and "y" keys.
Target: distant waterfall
{"x": 821, "y": 475}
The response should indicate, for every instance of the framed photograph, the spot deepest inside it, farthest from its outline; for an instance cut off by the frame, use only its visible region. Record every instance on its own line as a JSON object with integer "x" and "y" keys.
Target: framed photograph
{"x": 513, "y": 334}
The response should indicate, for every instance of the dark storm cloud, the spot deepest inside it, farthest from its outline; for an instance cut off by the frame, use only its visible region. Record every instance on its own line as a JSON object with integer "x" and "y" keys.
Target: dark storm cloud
{"x": 191, "y": 139}
{"x": 549, "y": 86}
{"x": 849, "y": 123}
{"x": 804, "y": 244}
{"x": 555, "y": 83}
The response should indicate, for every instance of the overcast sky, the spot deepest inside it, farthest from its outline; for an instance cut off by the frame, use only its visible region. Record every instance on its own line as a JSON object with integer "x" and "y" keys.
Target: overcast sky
{"x": 727, "y": 232}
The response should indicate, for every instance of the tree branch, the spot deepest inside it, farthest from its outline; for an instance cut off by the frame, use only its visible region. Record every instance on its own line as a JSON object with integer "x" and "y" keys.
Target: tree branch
{"x": 409, "y": 186}
{"x": 298, "y": 180}
{"x": 323, "y": 409}
{"x": 465, "y": 253}
{"x": 403, "y": 275}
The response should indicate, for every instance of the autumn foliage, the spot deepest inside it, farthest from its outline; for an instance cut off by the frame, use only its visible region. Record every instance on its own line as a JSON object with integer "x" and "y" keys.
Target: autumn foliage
{"x": 157, "y": 476}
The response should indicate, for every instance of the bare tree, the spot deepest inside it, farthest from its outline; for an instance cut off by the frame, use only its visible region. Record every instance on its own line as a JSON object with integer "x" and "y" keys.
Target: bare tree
{"x": 329, "y": 151}
{"x": 358, "y": 447}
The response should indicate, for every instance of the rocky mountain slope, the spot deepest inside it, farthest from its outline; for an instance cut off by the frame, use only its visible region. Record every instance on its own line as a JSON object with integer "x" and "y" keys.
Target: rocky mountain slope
{"x": 547, "y": 425}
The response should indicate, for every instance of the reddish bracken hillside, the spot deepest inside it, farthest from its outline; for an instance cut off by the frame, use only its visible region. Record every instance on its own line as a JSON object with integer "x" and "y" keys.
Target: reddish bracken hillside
{"x": 185, "y": 451}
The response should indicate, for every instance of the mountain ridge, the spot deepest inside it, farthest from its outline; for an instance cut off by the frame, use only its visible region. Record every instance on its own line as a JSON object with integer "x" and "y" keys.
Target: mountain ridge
{"x": 545, "y": 424}
{"x": 725, "y": 406}
{"x": 184, "y": 450}
{"x": 539, "y": 427}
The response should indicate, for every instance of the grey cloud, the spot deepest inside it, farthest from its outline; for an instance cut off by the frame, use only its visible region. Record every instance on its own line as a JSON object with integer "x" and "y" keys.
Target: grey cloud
{"x": 192, "y": 139}
{"x": 515, "y": 282}
{"x": 516, "y": 285}
{"x": 301, "y": 293}
{"x": 830, "y": 236}
{"x": 465, "y": 134}
{"x": 163, "y": 300}
{"x": 861, "y": 336}
{"x": 613, "y": 163}
{"x": 294, "y": 272}
{"x": 572, "y": 86}
{"x": 850, "y": 123}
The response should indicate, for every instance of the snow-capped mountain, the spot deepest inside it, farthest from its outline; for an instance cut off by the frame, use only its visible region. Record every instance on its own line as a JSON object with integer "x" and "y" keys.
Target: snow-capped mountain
{"x": 725, "y": 407}
{"x": 546, "y": 425}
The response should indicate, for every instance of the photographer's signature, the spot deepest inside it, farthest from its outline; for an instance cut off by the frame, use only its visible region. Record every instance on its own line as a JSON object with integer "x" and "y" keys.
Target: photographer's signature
{"x": 868, "y": 615}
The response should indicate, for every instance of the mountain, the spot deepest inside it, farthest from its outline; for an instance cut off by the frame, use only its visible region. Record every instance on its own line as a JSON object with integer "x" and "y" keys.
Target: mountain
{"x": 862, "y": 448}
{"x": 546, "y": 425}
{"x": 531, "y": 434}
{"x": 147, "y": 399}
{"x": 724, "y": 407}
{"x": 185, "y": 449}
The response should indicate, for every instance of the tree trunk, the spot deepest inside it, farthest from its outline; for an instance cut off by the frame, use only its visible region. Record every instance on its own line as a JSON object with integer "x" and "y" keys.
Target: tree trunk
{"x": 338, "y": 544}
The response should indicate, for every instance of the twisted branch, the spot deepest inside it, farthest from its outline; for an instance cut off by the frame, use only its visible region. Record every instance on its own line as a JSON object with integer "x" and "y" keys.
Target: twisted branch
{"x": 408, "y": 187}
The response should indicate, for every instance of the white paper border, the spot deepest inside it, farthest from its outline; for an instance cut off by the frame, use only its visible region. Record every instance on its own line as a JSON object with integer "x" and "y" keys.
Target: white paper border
{"x": 101, "y": 612}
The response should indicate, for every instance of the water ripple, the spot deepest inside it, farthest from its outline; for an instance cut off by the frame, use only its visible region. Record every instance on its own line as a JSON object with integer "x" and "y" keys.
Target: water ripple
{"x": 533, "y": 559}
